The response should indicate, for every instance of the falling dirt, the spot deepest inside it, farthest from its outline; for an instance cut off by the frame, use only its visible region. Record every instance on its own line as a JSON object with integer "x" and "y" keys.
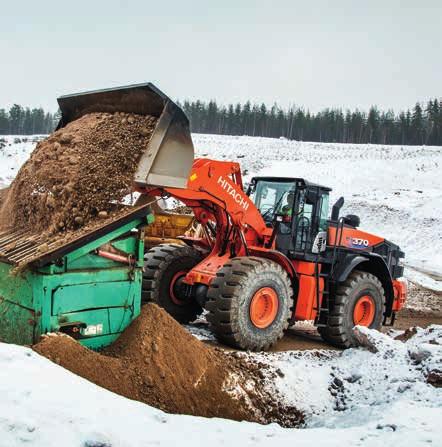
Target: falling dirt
{"x": 3, "y": 195}
{"x": 78, "y": 175}
{"x": 158, "y": 362}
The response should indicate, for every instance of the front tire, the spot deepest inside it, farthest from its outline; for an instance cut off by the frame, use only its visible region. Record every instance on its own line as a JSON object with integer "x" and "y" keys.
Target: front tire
{"x": 250, "y": 303}
{"x": 164, "y": 265}
{"x": 359, "y": 300}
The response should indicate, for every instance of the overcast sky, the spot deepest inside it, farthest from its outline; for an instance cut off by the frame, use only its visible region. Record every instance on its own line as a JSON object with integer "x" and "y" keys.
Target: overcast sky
{"x": 313, "y": 53}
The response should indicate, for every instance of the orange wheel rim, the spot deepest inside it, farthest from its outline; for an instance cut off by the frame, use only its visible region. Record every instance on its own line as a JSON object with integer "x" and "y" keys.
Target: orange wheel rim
{"x": 172, "y": 292}
{"x": 364, "y": 311}
{"x": 264, "y": 307}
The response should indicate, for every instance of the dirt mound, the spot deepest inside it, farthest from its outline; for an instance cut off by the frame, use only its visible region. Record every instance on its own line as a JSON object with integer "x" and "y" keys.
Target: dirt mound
{"x": 78, "y": 174}
{"x": 158, "y": 362}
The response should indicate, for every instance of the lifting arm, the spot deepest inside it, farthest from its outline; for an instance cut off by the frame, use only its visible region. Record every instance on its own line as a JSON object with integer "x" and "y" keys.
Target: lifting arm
{"x": 215, "y": 192}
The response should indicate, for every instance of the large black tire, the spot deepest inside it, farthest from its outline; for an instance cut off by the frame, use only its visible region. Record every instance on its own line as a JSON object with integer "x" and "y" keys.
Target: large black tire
{"x": 161, "y": 264}
{"x": 230, "y": 295}
{"x": 339, "y": 329}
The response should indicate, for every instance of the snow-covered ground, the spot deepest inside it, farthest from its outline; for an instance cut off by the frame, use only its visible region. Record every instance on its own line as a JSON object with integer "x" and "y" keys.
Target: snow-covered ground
{"x": 356, "y": 397}
{"x": 356, "y": 387}
{"x": 352, "y": 398}
{"x": 14, "y": 151}
{"x": 396, "y": 190}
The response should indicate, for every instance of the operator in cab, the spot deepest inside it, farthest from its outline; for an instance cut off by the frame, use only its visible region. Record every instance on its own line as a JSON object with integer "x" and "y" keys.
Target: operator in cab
{"x": 287, "y": 209}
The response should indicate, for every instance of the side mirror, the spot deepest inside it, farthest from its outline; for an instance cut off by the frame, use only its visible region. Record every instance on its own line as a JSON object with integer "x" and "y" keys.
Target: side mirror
{"x": 352, "y": 220}
{"x": 311, "y": 197}
{"x": 337, "y": 208}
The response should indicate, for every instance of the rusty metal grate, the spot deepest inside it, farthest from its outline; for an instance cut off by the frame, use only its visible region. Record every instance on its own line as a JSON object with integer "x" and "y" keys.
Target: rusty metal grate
{"x": 22, "y": 248}
{"x": 17, "y": 246}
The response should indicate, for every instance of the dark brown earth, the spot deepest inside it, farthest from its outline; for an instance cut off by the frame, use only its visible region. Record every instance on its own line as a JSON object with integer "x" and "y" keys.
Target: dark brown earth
{"x": 422, "y": 298}
{"x": 73, "y": 176}
{"x": 158, "y": 362}
{"x": 412, "y": 317}
{"x": 306, "y": 337}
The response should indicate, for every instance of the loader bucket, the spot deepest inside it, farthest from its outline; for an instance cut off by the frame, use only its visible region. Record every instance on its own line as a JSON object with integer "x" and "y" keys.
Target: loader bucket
{"x": 168, "y": 157}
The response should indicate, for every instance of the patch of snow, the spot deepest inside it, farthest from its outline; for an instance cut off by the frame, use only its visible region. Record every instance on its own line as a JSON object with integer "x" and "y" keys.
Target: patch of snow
{"x": 200, "y": 331}
{"x": 305, "y": 379}
{"x": 13, "y": 154}
{"x": 424, "y": 280}
{"x": 357, "y": 387}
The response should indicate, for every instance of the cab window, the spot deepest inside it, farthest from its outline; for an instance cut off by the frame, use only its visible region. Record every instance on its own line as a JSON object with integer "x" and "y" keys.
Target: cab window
{"x": 323, "y": 215}
{"x": 270, "y": 197}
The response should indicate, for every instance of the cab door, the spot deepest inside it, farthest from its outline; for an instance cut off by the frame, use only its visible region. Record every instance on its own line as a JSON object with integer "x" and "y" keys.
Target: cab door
{"x": 296, "y": 235}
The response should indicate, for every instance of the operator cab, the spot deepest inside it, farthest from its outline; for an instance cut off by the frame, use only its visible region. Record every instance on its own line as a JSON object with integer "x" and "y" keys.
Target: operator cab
{"x": 297, "y": 209}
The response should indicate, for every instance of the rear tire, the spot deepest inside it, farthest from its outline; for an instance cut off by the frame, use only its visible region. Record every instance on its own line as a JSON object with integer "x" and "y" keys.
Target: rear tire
{"x": 162, "y": 265}
{"x": 360, "y": 299}
{"x": 250, "y": 303}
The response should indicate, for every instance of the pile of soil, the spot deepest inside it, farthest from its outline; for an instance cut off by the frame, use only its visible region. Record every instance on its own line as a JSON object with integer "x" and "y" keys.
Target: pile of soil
{"x": 158, "y": 362}
{"x": 78, "y": 175}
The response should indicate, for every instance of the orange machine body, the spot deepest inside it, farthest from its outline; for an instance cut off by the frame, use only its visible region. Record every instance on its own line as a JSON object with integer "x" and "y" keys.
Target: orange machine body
{"x": 215, "y": 194}
{"x": 352, "y": 238}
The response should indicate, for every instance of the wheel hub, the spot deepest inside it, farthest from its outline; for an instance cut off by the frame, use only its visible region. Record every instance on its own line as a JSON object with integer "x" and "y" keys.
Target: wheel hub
{"x": 175, "y": 288}
{"x": 264, "y": 307}
{"x": 364, "y": 311}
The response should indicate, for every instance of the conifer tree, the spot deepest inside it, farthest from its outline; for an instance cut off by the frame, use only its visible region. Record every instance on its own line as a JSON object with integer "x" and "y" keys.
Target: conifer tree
{"x": 417, "y": 124}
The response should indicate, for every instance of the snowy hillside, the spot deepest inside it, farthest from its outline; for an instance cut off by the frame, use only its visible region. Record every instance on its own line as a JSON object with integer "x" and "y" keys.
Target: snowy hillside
{"x": 396, "y": 190}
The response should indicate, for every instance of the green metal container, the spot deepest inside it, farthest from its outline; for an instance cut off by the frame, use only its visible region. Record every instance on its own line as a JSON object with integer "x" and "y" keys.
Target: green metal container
{"x": 77, "y": 289}
{"x": 73, "y": 288}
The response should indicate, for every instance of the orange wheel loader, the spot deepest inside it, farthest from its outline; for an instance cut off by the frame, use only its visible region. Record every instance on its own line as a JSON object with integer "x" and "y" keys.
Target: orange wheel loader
{"x": 267, "y": 257}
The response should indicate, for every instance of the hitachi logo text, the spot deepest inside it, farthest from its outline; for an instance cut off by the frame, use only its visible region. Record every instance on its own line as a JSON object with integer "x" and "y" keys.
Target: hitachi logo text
{"x": 237, "y": 197}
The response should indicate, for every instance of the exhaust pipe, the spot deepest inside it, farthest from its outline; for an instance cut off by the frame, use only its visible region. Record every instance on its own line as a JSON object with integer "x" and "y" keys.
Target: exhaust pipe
{"x": 168, "y": 157}
{"x": 336, "y": 209}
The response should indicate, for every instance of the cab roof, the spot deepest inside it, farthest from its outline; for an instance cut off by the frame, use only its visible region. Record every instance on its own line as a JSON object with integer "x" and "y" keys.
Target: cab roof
{"x": 297, "y": 180}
